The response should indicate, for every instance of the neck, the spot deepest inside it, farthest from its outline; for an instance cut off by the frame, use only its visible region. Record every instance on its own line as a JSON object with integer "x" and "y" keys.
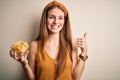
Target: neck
{"x": 53, "y": 40}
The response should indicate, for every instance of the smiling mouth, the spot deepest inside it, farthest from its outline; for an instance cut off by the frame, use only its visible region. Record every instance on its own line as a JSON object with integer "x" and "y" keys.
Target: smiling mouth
{"x": 55, "y": 26}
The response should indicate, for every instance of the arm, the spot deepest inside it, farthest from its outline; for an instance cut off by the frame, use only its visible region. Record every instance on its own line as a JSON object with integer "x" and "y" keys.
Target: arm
{"x": 29, "y": 69}
{"x": 78, "y": 68}
{"x": 79, "y": 63}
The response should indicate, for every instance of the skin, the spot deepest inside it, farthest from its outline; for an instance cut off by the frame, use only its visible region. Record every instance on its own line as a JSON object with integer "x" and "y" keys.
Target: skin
{"x": 55, "y": 22}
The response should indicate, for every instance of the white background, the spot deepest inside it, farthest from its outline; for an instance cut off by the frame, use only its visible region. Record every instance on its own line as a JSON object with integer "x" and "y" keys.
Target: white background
{"x": 19, "y": 20}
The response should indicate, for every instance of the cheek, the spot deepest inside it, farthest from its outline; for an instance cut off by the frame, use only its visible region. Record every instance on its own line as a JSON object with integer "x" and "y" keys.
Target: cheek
{"x": 49, "y": 22}
{"x": 62, "y": 23}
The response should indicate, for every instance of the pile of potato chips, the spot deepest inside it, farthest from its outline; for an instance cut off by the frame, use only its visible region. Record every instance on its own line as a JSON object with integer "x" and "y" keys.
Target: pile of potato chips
{"x": 20, "y": 46}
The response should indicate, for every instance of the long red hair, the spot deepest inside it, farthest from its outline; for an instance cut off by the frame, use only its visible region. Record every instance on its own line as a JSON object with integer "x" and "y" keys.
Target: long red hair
{"x": 65, "y": 35}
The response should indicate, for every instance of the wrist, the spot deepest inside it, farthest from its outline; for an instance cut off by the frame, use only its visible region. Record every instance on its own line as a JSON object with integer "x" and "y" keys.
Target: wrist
{"x": 24, "y": 63}
{"x": 25, "y": 66}
{"x": 83, "y": 57}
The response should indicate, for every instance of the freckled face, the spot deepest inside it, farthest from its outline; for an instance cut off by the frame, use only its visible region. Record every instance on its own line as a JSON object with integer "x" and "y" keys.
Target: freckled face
{"x": 55, "y": 20}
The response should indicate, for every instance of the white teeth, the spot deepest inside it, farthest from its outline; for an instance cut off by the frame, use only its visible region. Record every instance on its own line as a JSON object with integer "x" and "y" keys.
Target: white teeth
{"x": 55, "y": 26}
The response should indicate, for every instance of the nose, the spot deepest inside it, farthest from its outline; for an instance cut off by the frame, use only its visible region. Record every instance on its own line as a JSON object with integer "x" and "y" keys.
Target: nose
{"x": 56, "y": 21}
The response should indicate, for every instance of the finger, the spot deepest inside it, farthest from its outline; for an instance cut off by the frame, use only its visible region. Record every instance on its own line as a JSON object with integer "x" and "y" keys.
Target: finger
{"x": 16, "y": 56}
{"x": 80, "y": 38}
{"x": 81, "y": 45}
{"x": 85, "y": 35}
{"x": 21, "y": 57}
{"x": 27, "y": 52}
{"x": 13, "y": 54}
{"x": 22, "y": 54}
{"x": 10, "y": 52}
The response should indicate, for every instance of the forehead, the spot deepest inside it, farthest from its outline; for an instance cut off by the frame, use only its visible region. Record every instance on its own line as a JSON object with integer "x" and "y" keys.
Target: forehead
{"x": 56, "y": 11}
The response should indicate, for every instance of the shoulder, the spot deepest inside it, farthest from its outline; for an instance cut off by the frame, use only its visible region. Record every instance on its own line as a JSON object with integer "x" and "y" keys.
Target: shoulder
{"x": 33, "y": 47}
{"x": 33, "y": 43}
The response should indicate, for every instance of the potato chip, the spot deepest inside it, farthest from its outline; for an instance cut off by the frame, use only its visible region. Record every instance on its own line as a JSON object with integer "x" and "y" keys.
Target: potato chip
{"x": 20, "y": 46}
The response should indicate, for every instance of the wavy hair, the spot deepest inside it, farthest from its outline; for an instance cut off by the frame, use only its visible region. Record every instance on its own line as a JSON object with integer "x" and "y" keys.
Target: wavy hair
{"x": 65, "y": 40}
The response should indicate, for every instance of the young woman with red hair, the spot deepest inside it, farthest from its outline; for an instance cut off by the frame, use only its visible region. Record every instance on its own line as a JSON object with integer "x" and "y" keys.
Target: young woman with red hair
{"x": 54, "y": 54}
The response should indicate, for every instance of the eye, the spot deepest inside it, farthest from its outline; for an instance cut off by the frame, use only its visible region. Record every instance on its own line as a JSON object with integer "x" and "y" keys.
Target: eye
{"x": 50, "y": 17}
{"x": 61, "y": 18}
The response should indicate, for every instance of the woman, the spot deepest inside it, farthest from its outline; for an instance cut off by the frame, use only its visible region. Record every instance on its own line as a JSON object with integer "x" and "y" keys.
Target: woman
{"x": 54, "y": 54}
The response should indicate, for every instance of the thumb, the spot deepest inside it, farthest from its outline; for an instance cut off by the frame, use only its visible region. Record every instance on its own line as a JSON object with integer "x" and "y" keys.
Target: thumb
{"x": 85, "y": 35}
